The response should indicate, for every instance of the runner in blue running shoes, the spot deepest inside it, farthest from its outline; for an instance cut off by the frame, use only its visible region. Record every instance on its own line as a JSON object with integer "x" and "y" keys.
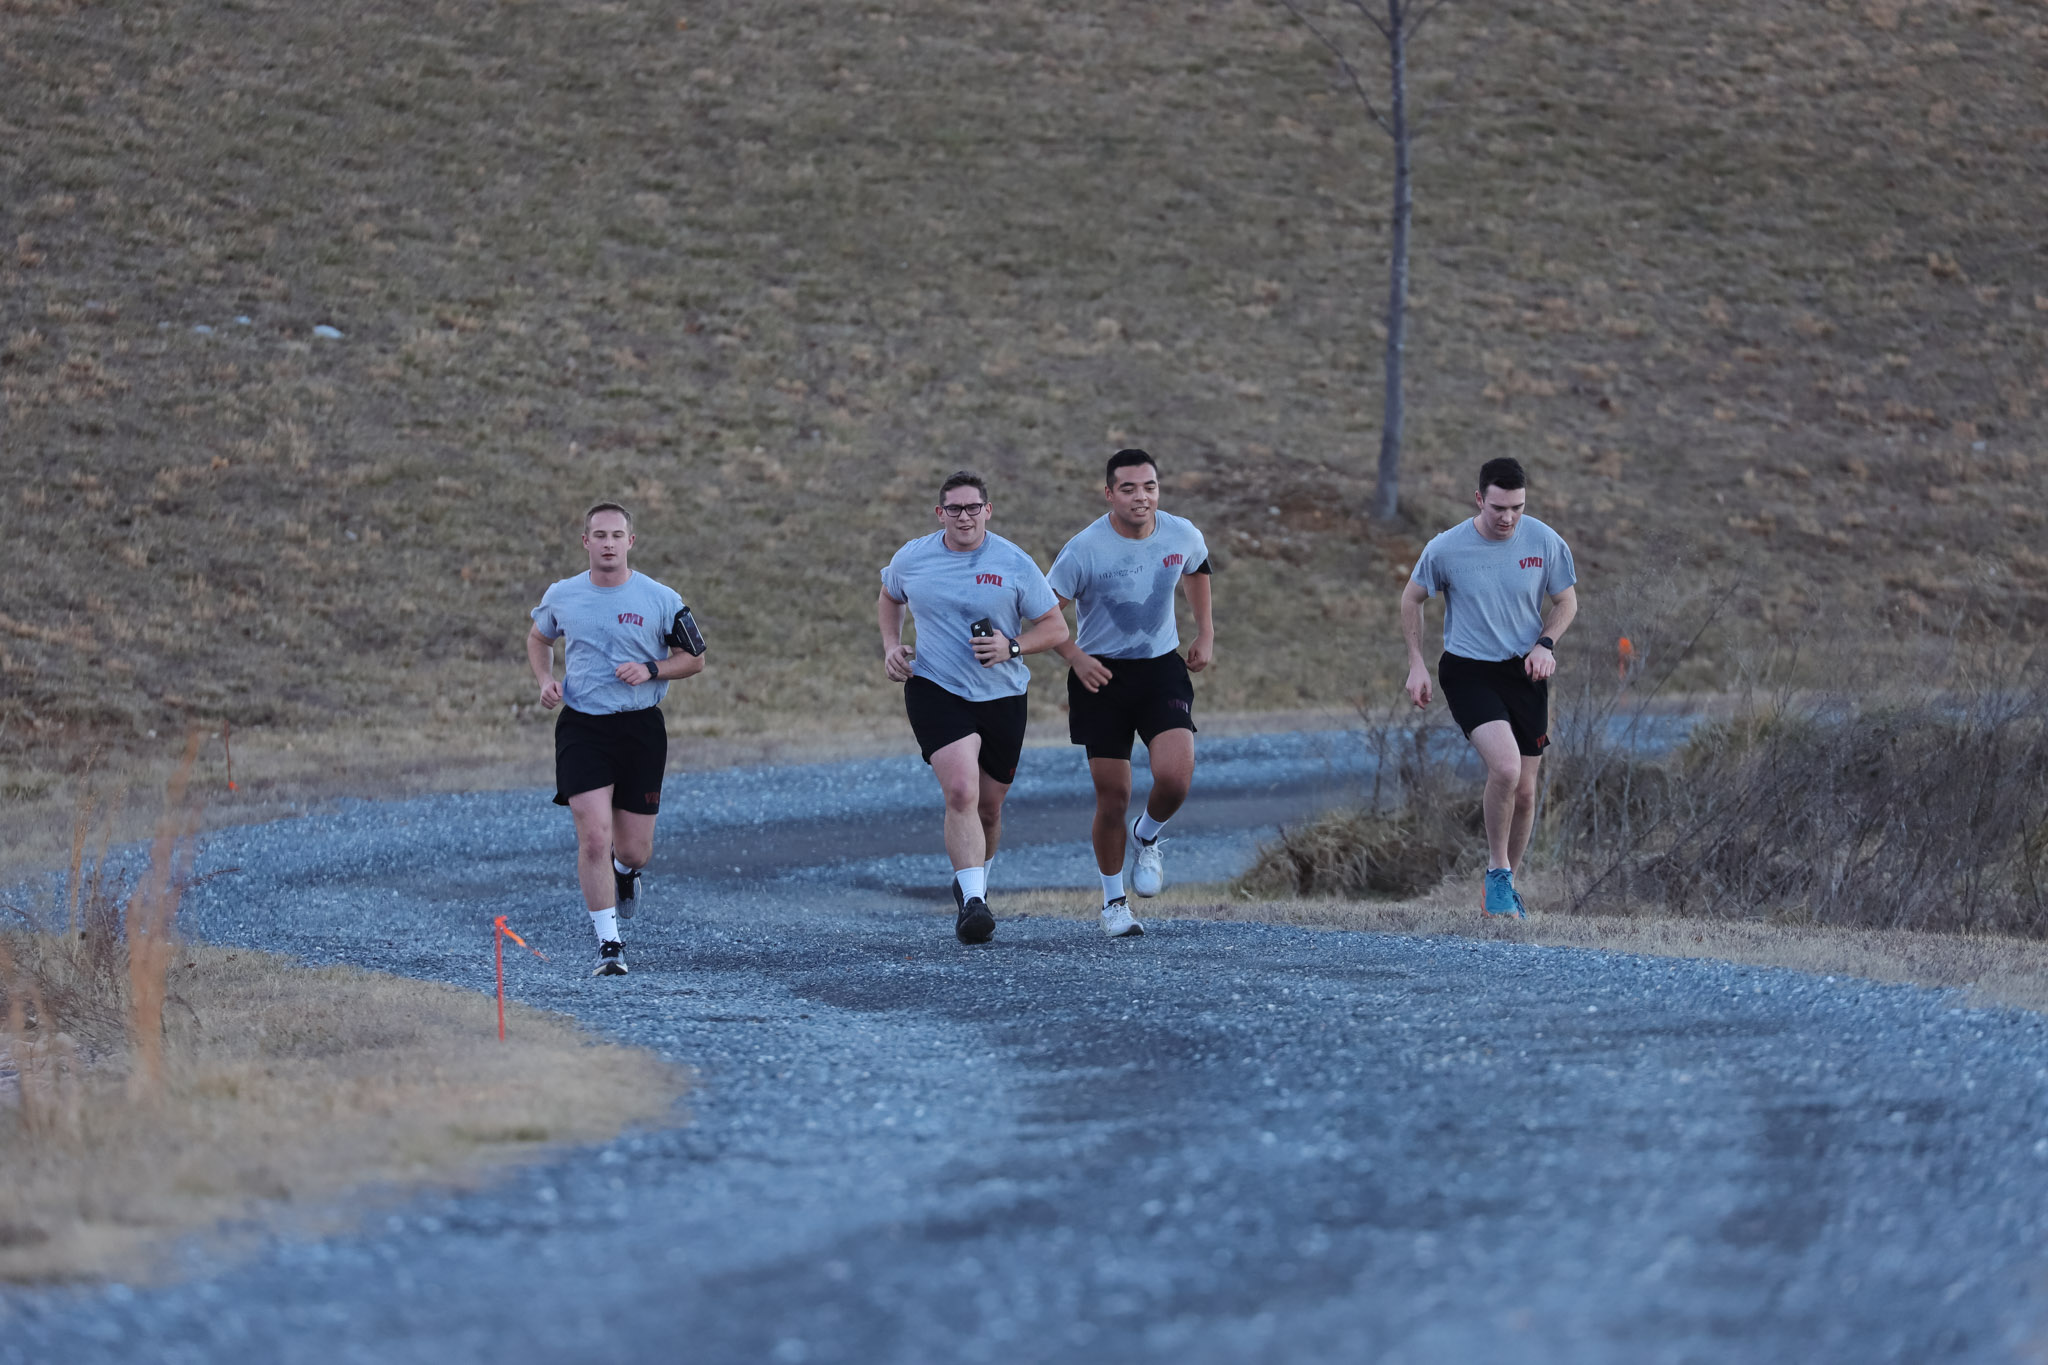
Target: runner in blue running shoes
{"x": 1508, "y": 587}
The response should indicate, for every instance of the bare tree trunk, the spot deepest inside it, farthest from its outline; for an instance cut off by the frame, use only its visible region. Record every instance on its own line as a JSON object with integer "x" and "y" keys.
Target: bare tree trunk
{"x": 1386, "y": 498}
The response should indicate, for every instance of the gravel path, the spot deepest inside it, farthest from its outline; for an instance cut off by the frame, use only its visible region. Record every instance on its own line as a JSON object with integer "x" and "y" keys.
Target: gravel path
{"x": 1221, "y": 1142}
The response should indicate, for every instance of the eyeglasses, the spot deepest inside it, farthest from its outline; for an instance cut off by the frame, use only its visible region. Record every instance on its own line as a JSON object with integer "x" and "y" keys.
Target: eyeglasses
{"x": 963, "y": 509}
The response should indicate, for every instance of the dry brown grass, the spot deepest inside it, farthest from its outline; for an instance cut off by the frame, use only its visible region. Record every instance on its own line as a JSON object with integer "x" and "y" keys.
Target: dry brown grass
{"x": 1752, "y": 287}
{"x": 1993, "y": 970}
{"x": 286, "y": 1088}
{"x": 150, "y": 1088}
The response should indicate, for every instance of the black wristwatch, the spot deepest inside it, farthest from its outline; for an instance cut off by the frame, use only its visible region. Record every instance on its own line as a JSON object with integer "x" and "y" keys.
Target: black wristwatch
{"x": 1547, "y": 643}
{"x": 1015, "y": 648}
{"x": 654, "y": 670}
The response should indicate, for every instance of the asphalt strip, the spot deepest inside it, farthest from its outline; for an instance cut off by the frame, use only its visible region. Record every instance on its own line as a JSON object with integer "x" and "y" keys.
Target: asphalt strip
{"x": 1218, "y": 1142}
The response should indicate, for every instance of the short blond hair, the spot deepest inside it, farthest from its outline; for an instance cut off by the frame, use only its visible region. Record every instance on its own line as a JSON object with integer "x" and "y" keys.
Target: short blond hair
{"x": 597, "y": 507}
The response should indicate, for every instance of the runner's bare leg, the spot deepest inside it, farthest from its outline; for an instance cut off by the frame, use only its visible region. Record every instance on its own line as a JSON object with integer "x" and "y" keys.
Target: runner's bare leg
{"x": 991, "y": 812}
{"x": 1495, "y": 742}
{"x": 958, "y": 768}
{"x": 1525, "y": 810}
{"x": 632, "y": 838}
{"x": 593, "y": 814}
{"x": 1112, "y": 799}
{"x": 1173, "y": 772}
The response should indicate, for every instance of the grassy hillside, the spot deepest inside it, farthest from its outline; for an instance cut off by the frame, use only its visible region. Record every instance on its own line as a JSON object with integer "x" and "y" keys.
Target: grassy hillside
{"x": 1759, "y": 290}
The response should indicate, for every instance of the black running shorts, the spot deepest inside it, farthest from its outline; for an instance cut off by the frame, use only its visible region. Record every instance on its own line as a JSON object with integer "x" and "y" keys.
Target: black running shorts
{"x": 1143, "y": 696}
{"x": 939, "y": 718}
{"x": 1480, "y": 690}
{"x": 626, "y": 751}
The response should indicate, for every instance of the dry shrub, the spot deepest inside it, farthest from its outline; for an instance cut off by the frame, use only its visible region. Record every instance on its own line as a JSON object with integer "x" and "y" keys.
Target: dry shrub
{"x": 1358, "y": 852}
{"x": 1868, "y": 805}
{"x": 85, "y": 982}
{"x": 1911, "y": 815}
{"x": 1418, "y": 824}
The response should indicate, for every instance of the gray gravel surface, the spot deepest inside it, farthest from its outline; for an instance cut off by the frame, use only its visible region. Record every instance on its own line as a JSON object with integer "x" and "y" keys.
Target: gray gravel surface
{"x": 1220, "y": 1142}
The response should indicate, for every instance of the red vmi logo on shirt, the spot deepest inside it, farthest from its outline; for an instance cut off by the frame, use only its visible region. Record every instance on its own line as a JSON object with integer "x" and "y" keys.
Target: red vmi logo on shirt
{"x": 1172, "y": 560}
{"x": 1533, "y": 562}
{"x": 988, "y": 580}
{"x": 631, "y": 618}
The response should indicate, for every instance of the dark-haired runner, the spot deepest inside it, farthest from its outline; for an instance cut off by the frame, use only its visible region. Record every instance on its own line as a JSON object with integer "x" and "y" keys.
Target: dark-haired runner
{"x": 611, "y": 746}
{"x": 1507, "y": 581}
{"x": 1127, "y": 676}
{"x": 981, "y": 604}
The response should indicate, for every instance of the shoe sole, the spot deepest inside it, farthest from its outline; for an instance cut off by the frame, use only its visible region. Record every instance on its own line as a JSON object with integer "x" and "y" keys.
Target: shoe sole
{"x": 1135, "y": 931}
{"x": 625, "y": 891}
{"x": 611, "y": 969}
{"x": 977, "y": 930}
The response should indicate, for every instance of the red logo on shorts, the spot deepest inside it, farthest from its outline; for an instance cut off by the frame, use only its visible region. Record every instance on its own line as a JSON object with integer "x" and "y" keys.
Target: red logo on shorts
{"x": 988, "y": 580}
{"x": 652, "y": 798}
{"x": 1172, "y": 560}
{"x": 1532, "y": 562}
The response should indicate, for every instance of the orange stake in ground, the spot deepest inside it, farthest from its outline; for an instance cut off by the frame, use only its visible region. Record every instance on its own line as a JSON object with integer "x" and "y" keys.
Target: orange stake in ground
{"x": 1627, "y": 652}
{"x": 503, "y": 931}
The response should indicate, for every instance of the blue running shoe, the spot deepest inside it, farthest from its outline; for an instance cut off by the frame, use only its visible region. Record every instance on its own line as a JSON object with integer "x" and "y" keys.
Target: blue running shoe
{"x": 1501, "y": 899}
{"x": 1521, "y": 910}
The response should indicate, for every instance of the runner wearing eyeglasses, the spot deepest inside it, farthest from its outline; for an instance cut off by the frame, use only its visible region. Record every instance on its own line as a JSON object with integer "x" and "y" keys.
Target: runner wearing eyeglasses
{"x": 981, "y": 604}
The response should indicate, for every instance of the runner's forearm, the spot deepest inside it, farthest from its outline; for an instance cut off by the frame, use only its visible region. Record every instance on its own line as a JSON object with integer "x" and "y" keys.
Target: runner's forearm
{"x": 1198, "y": 587}
{"x": 889, "y": 616}
{"x": 1047, "y": 632}
{"x": 1411, "y": 626}
{"x": 540, "y": 657}
{"x": 1559, "y": 613}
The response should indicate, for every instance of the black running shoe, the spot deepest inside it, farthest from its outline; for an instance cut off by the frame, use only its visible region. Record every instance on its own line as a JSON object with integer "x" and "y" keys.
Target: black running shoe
{"x": 627, "y": 885}
{"x": 959, "y": 896}
{"x": 976, "y": 924}
{"x": 611, "y": 958}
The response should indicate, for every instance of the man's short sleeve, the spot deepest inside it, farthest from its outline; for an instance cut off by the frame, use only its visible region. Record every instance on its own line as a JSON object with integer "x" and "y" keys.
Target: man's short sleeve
{"x": 892, "y": 579}
{"x": 1034, "y": 594}
{"x": 1198, "y": 562}
{"x": 1429, "y": 570}
{"x": 545, "y": 618}
{"x": 1065, "y": 578}
{"x": 1560, "y": 573}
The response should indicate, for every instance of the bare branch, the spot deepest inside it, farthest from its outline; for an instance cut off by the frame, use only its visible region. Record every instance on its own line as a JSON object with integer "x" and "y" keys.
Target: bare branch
{"x": 1343, "y": 62}
{"x": 1372, "y": 17}
{"x": 1421, "y": 18}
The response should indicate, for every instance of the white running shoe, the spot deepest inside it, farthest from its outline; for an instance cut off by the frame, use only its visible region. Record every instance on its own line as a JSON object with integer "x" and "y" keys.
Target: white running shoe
{"x": 1148, "y": 870}
{"x": 1117, "y": 921}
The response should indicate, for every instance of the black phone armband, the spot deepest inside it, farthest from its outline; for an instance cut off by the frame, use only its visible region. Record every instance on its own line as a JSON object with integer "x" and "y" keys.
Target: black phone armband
{"x": 683, "y": 633}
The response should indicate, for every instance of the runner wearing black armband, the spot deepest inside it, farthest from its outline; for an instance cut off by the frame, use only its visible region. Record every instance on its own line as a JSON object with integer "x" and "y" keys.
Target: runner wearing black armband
{"x": 1507, "y": 581}
{"x": 981, "y": 605}
{"x": 1127, "y": 674}
{"x": 629, "y": 637}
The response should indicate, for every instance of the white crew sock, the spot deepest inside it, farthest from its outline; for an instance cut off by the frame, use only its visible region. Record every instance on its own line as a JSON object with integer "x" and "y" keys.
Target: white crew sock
{"x": 985, "y": 867}
{"x": 1112, "y": 886}
{"x": 1148, "y": 828}
{"x": 606, "y": 924}
{"x": 973, "y": 883}
{"x": 620, "y": 867}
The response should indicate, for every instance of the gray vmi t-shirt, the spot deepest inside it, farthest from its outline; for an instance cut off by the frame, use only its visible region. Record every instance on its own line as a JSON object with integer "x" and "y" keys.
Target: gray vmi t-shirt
{"x": 1494, "y": 590}
{"x": 948, "y": 590}
{"x": 607, "y": 627}
{"x": 1122, "y": 589}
